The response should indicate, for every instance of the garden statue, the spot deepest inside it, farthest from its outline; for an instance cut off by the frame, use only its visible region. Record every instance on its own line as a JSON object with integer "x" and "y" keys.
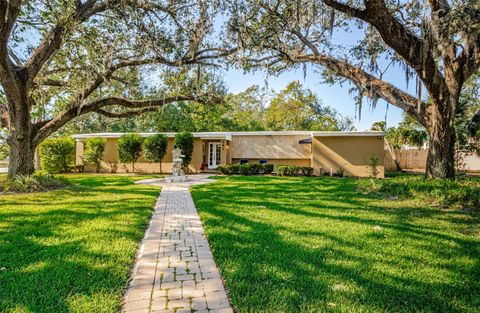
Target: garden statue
{"x": 177, "y": 175}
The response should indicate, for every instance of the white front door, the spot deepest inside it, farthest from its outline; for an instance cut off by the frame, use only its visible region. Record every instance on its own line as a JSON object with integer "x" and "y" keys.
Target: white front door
{"x": 214, "y": 152}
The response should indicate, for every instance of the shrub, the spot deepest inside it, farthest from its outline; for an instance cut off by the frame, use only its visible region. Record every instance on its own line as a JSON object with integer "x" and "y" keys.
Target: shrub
{"x": 340, "y": 172}
{"x": 155, "y": 148}
{"x": 289, "y": 170}
{"x": 307, "y": 171}
{"x": 129, "y": 148}
{"x": 94, "y": 151}
{"x": 222, "y": 169}
{"x": 371, "y": 164}
{"x": 245, "y": 169}
{"x": 464, "y": 193}
{"x": 282, "y": 170}
{"x": 57, "y": 155}
{"x": 267, "y": 168}
{"x": 184, "y": 141}
{"x": 33, "y": 183}
{"x": 255, "y": 169}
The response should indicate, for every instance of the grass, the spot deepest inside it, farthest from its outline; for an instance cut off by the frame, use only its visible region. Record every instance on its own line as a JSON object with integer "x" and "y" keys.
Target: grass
{"x": 318, "y": 245}
{"x": 72, "y": 250}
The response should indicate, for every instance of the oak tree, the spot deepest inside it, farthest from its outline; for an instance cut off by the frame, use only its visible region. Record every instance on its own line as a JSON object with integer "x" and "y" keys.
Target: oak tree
{"x": 437, "y": 42}
{"x": 62, "y": 59}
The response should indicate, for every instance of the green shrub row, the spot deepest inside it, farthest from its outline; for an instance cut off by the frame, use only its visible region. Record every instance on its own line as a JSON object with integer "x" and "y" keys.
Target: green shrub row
{"x": 294, "y": 170}
{"x": 462, "y": 193}
{"x": 245, "y": 169}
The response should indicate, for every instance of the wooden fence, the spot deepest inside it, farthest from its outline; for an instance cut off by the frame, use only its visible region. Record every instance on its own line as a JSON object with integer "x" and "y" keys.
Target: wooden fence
{"x": 416, "y": 159}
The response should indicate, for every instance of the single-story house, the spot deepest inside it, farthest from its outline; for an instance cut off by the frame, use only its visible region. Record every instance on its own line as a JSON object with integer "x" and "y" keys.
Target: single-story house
{"x": 326, "y": 152}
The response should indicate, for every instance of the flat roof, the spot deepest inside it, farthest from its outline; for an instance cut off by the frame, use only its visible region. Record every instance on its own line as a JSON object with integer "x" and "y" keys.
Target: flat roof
{"x": 228, "y": 135}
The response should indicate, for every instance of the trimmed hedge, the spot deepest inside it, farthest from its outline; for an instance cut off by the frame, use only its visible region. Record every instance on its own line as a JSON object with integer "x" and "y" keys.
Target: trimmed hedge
{"x": 294, "y": 170}
{"x": 256, "y": 169}
{"x": 57, "y": 155}
{"x": 245, "y": 169}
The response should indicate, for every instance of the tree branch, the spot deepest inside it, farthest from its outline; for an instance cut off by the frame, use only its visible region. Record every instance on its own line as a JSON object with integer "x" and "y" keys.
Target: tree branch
{"x": 375, "y": 87}
{"x": 53, "y": 40}
{"x": 46, "y": 128}
{"x": 125, "y": 113}
{"x": 399, "y": 38}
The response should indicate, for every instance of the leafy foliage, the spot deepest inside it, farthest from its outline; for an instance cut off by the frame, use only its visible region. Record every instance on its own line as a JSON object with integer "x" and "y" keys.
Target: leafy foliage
{"x": 33, "y": 183}
{"x": 296, "y": 108}
{"x": 130, "y": 148}
{"x": 294, "y": 170}
{"x": 155, "y": 148}
{"x": 372, "y": 164}
{"x": 57, "y": 155}
{"x": 95, "y": 147}
{"x": 461, "y": 193}
{"x": 184, "y": 141}
{"x": 409, "y": 132}
{"x": 245, "y": 169}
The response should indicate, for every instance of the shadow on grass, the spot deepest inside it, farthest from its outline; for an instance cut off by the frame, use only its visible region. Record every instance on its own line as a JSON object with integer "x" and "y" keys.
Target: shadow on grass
{"x": 71, "y": 250}
{"x": 308, "y": 244}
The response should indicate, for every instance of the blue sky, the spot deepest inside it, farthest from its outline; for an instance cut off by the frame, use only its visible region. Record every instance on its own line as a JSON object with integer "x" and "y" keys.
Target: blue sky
{"x": 335, "y": 96}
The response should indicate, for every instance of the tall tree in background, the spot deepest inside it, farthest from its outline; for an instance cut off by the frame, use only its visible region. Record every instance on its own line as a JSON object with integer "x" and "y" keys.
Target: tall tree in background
{"x": 62, "y": 59}
{"x": 436, "y": 41}
{"x": 296, "y": 108}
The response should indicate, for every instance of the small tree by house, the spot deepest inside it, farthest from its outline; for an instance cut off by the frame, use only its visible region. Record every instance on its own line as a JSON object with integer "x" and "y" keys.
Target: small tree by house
{"x": 130, "y": 148}
{"x": 94, "y": 151}
{"x": 372, "y": 163}
{"x": 57, "y": 155}
{"x": 184, "y": 141}
{"x": 155, "y": 148}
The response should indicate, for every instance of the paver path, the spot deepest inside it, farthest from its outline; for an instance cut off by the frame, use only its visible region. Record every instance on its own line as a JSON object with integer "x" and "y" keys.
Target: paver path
{"x": 175, "y": 271}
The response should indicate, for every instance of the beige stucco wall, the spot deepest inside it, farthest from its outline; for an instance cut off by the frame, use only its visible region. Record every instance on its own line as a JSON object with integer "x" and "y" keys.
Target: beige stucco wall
{"x": 349, "y": 153}
{"x": 326, "y": 153}
{"x": 270, "y": 147}
{"x": 110, "y": 158}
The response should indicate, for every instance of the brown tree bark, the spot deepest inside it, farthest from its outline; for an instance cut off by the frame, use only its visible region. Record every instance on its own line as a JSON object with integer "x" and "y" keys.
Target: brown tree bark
{"x": 441, "y": 139}
{"x": 22, "y": 151}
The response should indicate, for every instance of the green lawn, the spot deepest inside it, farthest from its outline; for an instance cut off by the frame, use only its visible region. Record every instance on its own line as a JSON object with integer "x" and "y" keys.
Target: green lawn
{"x": 316, "y": 244}
{"x": 72, "y": 250}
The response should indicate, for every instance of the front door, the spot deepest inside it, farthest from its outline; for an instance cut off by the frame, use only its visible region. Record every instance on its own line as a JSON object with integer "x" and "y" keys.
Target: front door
{"x": 214, "y": 152}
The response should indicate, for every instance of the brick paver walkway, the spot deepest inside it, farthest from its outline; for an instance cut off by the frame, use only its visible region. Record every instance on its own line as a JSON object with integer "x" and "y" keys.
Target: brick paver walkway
{"x": 175, "y": 271}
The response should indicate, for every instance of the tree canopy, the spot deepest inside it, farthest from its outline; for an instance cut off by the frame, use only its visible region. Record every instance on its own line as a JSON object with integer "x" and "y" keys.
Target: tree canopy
{"x": 436, "y": 42}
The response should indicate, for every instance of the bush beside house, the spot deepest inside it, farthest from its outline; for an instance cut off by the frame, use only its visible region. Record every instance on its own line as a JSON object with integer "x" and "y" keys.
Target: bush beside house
{"x": 184, "y": 141}
{"x": 155, "y": 148}
{"x": 57, "y": 155}
{"x": 95, "y": 147}
{"x": 130, "y": 148}
{"x": 266, "y": 169}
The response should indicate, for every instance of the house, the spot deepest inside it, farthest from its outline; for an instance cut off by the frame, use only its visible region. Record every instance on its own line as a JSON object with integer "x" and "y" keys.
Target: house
{"x": 326, "y": 152}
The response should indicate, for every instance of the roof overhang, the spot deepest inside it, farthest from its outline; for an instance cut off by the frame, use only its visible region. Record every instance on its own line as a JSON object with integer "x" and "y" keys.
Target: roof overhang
{"x": 228, "y": 135}
{"x": 203, "y": 135}
{"x": 348, "y": 134}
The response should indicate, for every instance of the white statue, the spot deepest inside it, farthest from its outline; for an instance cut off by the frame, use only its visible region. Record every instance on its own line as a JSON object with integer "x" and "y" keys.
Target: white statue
{"x": 177, "y": 175}
{"x": 177, "y": 162}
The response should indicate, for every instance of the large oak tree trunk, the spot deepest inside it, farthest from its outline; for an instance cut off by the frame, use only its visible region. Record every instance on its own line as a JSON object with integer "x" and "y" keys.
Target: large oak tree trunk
{"x": 22, "y": 155}
{"x": 20, "y": 140}
{"x": 441, "y": 149}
